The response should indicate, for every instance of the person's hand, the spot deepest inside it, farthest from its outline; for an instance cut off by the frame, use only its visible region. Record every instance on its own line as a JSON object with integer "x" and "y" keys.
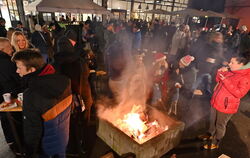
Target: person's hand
{"x": 223, "y": 69}
{"x": 222, "y": 77}
{"x": 225, "y": 63}
{"x": 210, "y": 60}
{"x": 178, "y": 85}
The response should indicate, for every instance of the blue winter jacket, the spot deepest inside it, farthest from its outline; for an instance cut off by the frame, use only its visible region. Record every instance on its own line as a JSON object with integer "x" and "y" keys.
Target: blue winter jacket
{"x": 56, "y": 130}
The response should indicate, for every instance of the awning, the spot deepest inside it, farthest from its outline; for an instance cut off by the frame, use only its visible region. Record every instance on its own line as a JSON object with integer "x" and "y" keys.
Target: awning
{"x": 190, "y": 12}
{"x": 157, "y": 11}
{"x": 215, "y": 14}
{"x": 71, "y": 6}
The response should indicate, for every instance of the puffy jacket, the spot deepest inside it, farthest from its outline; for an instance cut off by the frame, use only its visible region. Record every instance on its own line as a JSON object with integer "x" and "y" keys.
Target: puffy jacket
{"x": 45, "y": 116}
{"x": 228, "y": 92}
{"x": 56, "y": 128}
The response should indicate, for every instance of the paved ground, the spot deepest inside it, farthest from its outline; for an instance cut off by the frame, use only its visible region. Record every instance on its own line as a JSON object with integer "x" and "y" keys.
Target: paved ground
{"x": 4, "y": 149}
{"x": 235, "y": 144}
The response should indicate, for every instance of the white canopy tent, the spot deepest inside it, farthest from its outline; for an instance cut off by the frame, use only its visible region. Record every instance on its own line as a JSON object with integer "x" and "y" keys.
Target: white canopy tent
{"x": 157, "y": 11}
{"x": 190, "y": 12}
{"x": 71, "y": 6}
{"x": 32, "y": 6}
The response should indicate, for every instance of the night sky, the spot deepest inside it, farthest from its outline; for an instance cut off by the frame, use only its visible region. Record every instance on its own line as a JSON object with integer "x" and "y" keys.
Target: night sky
{"x": 214, "y": 5}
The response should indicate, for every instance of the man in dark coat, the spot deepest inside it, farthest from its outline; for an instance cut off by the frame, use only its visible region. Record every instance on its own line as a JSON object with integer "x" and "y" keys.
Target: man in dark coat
{"x": 46, "y": 100}
{"x": 38, "y": 39}
{"x": 9, "y": 83}
{"x": 69, "y": 62}
{"x": 208, "y": 59}
{"x": 3, "y": 31}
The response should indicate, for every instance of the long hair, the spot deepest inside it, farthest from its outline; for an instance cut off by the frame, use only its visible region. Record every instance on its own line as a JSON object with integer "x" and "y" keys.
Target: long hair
{"x": 14, "y": 40}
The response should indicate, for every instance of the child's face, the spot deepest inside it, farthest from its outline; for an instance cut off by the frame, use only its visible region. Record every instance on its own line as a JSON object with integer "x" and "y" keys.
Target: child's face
{"x": 234, "y": 64}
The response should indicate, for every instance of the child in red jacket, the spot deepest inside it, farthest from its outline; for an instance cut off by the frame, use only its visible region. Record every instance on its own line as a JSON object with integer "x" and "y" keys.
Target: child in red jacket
{"x": 233, "y": 83}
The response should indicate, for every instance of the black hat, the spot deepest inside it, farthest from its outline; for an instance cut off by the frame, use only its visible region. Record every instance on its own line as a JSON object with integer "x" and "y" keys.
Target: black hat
{"x": 71, "y": 34}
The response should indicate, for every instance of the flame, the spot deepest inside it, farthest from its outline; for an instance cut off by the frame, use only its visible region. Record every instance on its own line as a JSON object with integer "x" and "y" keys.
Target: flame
{"x": 136, "y": 125}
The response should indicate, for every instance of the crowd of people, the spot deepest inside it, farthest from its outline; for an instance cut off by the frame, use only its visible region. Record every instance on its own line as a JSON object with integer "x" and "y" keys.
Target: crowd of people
{"x": 55, "y": 69}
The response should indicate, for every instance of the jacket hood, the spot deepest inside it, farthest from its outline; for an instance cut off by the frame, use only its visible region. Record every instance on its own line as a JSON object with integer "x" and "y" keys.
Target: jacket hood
{"x": 247, "y": 66}
{"x": 45, "y": 82}
{"x": 244, "y": 69}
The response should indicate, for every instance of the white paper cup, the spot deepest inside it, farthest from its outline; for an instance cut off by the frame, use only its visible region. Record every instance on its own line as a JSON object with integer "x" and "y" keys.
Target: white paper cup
{"x": 7, "y": 97}
{"x": 20, "y": 97}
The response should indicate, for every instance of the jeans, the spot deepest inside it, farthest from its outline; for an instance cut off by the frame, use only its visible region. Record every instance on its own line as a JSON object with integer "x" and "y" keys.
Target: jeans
{"x": 156, "y": 94}
{"x": 204, "y": 82}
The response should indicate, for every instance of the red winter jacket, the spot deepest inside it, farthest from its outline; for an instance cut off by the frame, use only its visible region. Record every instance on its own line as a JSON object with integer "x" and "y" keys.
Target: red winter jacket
{"x": 228, "y": 92}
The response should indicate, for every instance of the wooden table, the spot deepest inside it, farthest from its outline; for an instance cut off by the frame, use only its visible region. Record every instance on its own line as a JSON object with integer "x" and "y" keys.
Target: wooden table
{"x": 17, "y": 108}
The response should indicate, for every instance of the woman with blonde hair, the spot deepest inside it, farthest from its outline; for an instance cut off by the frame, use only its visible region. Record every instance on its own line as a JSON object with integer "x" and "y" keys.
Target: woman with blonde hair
{"x": 19, "y": 41}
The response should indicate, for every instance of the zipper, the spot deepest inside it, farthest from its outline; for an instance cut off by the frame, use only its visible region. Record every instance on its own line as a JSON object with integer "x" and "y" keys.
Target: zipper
{"x": 226, "y": 102}
{"x": 217, "y": 91}
{"x": 220, "y": 86}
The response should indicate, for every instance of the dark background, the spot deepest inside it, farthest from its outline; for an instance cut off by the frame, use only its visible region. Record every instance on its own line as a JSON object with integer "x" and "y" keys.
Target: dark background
{"x": 214, "y": 5}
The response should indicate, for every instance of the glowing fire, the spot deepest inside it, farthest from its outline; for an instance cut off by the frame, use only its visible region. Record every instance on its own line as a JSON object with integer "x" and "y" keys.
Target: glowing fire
{"x": 135, "y": 124}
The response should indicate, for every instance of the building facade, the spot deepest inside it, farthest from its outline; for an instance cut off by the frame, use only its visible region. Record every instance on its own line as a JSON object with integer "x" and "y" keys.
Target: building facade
{"x": 241, "y": 9}
{"x": 12, "y": 11}
{"x": 17, "y": 10}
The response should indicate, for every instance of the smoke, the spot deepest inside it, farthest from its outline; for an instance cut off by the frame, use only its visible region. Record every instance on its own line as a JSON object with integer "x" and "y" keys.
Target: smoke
{"x": 129, "y": 89}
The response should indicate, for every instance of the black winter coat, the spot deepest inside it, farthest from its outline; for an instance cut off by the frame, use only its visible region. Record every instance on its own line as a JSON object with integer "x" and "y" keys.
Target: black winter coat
{"x": 3, "y": 31}
{"x": 38, "y": 39}
{"x": 185, "y": 78}
{"x": 209, "y": 50}
{"x": 42, "y": 93}
{"x": 9, "y": 79}
{"x": 70, "y": 63}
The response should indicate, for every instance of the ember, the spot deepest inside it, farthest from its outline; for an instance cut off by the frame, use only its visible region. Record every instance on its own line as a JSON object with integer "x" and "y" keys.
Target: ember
{"x": 136, "y": 125}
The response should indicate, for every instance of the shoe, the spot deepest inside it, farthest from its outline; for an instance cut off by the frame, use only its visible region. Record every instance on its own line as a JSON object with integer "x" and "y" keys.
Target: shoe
{"x": 205, "y": 137}
{"x": 197, "y": 92}
{"x": 211, "y": 147}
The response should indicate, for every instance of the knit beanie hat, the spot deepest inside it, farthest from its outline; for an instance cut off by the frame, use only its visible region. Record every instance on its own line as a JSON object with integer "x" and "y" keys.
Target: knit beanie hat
{"x": 186, "y": 60}
{"x": 71, "y": 34}
{"x": 159, "y": 57}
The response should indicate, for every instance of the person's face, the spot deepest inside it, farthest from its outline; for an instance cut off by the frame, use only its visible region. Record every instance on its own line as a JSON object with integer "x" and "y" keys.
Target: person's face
{"x": 22, "y": 69}
{"x": 53, "y": 27}
{"x": 218, "y": 39}
{"x": 21, "y": 42}
{"x": 19, "y": 26}
{"x": 8, "y": 48}
{"x": 2, "y": 23}
{"x": 86, "y": 26}
{"x": 234, "y": 64}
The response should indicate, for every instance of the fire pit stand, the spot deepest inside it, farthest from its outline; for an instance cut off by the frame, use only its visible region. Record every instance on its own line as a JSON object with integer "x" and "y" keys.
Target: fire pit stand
{"x": 153, "y": 148}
